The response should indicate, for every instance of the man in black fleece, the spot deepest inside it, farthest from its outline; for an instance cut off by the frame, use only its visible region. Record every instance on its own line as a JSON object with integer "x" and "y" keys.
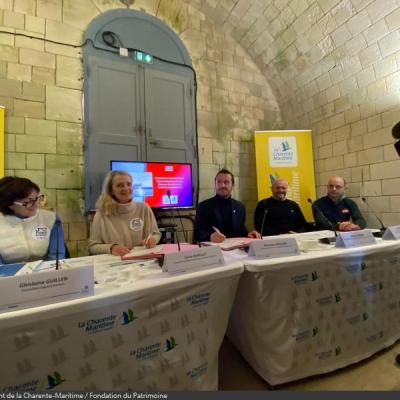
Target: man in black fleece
{"x": 279, "y": 214}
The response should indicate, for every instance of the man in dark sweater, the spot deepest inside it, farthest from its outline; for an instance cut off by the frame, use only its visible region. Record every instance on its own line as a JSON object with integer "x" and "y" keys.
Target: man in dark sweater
{"x": 334, "y": 211}
{"x": 277, "y": 214}
{"x": 221, "y": 217}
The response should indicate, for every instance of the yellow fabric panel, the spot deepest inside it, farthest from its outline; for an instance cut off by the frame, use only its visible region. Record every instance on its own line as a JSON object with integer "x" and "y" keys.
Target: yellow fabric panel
{"x": 288, "y": 155}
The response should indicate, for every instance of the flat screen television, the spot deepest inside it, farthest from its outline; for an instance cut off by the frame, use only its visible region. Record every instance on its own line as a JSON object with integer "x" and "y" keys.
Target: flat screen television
{"x": 152, "y": 181}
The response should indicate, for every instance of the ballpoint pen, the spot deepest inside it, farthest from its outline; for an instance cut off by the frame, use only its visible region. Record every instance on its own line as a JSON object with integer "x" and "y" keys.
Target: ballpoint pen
{"x": 217, "y": 230}
{"x": 148, "y": 237}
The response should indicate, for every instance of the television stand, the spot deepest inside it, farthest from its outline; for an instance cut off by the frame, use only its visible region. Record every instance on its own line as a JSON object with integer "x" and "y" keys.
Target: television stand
{"x": 168, "y": 232}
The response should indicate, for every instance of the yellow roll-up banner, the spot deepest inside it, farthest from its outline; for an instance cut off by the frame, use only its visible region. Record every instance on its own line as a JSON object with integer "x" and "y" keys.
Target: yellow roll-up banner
{"x": 288, "y": 155}
{"x": 2, "y": 149}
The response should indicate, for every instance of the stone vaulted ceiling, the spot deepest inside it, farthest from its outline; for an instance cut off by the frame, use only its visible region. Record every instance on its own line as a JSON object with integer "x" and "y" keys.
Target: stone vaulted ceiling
{"x": 305, "y": 48}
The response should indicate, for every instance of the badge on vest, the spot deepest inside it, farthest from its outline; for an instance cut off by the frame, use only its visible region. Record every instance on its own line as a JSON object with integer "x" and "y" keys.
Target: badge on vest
{"x": 136, "y": 224}
{"x": 41, "y": 232}
{"x": 345, "y": 211}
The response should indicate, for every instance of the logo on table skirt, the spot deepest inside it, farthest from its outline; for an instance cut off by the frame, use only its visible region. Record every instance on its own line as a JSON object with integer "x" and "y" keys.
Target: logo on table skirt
{"x": 174, "y": 305}
{"x": 306, "y": 334}
{"x": 146, "y": 352}
{"x": 393, "y": 260}
{"x": 127, "y": 317}
{"x": 54, "y": 380}
{"x": 376, "y": 336}
{"x": 92, "y": 326}
{"x": 170, "y": 344}
{"x": 22, "y": 387}
{"x": 373, "y": 287}
{"x": 85, "y": 370}
{"x": 41, "y": 232}
{"x": 200, "y": 299}
{"x": 58, "y": 356}
{"x": 324, "y": 355}
{"x": 355, "y": 267}
{"x": 89, "y": 348}
{"x": 113, "y": 361}
{"x": 198, "y": 371}
{"x": 314, "y": 276}
{"x": 117, "y": 340}
{"x": 24, "y": 366}
{"x": 282, "y": 151}
{"x": 22, "y": 340}
{"x": 300, "y": 279}
{"x": 57, "y": 333}
{"x": 357, "y": 318}
{"x": 322, "y": 301}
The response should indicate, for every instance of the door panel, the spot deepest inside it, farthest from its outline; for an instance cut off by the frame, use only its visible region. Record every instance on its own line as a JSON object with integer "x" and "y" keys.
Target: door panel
{"x": 114, "y": 119}
{"x": 136, "y": 113}
{"x": 168, "y": 117}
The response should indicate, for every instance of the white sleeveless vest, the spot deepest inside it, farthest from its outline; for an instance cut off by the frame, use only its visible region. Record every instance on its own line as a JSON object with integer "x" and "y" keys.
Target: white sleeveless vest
{"x": 25, "y": 239}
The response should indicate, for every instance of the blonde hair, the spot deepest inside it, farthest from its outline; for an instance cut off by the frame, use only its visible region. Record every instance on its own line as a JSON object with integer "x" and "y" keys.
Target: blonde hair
{"x": 106, "y": 203}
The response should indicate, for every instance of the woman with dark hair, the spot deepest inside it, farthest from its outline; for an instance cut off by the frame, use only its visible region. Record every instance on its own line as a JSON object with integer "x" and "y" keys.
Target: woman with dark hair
{"x": 121, "y": 223}
{"x": 27, "y": 232}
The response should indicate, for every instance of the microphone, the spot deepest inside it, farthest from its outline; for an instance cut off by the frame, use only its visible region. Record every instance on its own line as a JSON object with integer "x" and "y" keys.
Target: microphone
{"x": 326, "y": 221}
{"x": 180, "y": 218}
{"x": 373, "y": 213}
{"x": 57, "y": 223}
{"x": 173, "y": 220}
{"x": 263, "y": 221}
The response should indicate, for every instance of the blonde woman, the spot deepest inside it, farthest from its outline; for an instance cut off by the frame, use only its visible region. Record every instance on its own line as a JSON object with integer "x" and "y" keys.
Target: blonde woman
{"x": 120, "y": 223}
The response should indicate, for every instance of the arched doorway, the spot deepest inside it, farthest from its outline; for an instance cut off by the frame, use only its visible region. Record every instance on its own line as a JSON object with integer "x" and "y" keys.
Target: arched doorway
{"x": 136, "y": 107}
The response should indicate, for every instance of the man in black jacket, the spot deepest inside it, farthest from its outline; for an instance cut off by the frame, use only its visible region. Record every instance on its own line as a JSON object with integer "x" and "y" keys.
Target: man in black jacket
{"x": 277, "y": 214}
{"x": 221, "y": 217}
{"x": 334, "y": 211}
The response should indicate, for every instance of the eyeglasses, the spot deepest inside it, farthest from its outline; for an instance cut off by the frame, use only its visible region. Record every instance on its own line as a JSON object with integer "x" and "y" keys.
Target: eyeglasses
{"x": 30, "y": 203}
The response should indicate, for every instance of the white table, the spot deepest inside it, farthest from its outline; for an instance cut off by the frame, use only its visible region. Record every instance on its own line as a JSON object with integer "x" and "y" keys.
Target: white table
{"x": 299, "y": 316}
{"x": 157, "y": 333}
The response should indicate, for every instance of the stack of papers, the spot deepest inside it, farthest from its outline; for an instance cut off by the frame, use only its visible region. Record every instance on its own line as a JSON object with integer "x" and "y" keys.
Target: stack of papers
{"x": 231, "y": 243}
{"x": 143, "y": 253}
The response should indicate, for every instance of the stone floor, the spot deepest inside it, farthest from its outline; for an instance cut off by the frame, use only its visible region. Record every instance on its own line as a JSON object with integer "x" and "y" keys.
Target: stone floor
{"x": 379, "y": 372}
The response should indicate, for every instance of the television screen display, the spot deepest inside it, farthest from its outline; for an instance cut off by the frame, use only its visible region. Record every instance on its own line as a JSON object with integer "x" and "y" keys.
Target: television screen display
{"x": 152, "y": 181}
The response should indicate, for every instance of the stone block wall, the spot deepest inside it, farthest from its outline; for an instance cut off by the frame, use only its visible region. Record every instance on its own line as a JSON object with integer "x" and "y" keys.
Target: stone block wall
{"x": 334, "y": 66}
{"x": 41, "y": 88}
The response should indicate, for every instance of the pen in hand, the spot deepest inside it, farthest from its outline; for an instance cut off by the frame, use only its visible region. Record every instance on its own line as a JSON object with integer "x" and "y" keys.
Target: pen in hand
{"x": 217, "y": 236}
{"x": 149, "y": 242}
{"x": 217, "y": 230}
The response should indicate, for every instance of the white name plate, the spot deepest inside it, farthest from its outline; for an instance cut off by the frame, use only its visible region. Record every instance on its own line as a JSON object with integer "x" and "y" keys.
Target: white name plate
{"x": 201, "y": 258}
{"x": 355, "y": 239}
{"x": 41, "y": 288}
{"x": 272, "y": 248}
{"x": 392, "y": 233}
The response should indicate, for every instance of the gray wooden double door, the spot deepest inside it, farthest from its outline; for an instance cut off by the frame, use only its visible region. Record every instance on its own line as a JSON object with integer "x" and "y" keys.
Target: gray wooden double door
{"x": 136, "y": 112}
